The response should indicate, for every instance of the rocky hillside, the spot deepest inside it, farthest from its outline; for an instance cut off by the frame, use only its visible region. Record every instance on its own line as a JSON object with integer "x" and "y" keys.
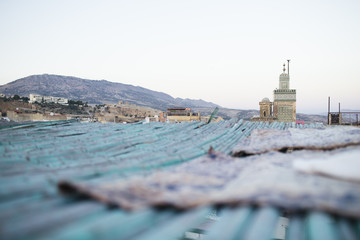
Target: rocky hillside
{"x": 311, "y": 118}
{"x": 96, "y": 92}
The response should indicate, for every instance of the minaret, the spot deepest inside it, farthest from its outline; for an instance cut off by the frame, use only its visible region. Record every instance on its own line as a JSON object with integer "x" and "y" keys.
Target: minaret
{"x": 284, "y": 107}
{"x": 284, "y": 79}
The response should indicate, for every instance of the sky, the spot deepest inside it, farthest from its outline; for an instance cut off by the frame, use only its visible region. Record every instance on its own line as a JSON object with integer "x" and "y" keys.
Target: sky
{"x": 229, "y": 52}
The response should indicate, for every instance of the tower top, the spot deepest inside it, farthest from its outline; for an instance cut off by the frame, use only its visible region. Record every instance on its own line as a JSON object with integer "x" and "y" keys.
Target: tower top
{"x": 288, "y": 66}
{"x": 284, "y": 79}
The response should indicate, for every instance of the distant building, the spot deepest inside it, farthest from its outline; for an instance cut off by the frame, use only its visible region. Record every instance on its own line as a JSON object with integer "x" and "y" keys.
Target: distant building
{"x": 180, "y": 115}
{"x": 266, "y": 113}
{"x": 152, "y": 119}
{"x": 47, "y": 99}
{"x": 285, "y": 99}
{"x": 283, "y": 108}
{"x": 265, "y": 108}
{"x": 163, "y": 117}
{"x": 125, "y": 112}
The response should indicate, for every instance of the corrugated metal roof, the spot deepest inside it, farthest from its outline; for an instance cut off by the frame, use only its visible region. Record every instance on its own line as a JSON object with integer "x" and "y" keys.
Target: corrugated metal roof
{"x": 36, "y": 156}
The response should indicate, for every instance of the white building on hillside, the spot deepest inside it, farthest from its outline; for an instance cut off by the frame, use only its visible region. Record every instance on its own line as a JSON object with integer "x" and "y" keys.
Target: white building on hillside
{"x": 48, "y": 99}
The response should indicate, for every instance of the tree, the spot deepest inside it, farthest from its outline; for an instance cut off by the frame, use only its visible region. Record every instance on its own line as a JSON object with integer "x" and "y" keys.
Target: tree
{"x": 16, "y": 97}
{"x": 25, "y": 99}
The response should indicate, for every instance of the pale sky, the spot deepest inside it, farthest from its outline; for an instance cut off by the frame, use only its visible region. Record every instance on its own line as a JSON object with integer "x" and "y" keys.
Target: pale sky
{"x": 227, "y": 52}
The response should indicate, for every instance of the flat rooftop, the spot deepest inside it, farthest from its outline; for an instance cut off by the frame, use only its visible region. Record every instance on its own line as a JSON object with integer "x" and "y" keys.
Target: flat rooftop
{"x": 225, "y": 180}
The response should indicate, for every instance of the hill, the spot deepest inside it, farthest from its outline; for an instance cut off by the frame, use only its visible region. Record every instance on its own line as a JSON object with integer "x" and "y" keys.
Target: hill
{"x": 96, "y": 92}
{"x": 311, "y": 118}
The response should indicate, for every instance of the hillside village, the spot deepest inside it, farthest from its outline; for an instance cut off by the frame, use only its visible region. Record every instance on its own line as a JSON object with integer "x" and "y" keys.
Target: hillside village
{"x": 104, "y": 101}
{"x": 48, "y": 108}
{"x": 139, "y": 104}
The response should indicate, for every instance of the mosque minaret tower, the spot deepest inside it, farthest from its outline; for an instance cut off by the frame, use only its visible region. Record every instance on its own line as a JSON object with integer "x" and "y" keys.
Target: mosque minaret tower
{"x": 284, "y": 107}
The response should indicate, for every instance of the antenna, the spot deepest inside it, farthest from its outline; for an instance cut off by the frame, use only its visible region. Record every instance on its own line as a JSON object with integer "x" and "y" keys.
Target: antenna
{"x": 288, "y": 66}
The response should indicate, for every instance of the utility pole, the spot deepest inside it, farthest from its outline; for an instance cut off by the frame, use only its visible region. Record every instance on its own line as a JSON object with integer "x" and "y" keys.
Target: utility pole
{"x": 329, "y": 111}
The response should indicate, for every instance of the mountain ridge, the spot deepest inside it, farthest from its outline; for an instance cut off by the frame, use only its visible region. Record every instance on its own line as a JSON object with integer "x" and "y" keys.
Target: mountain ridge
{"x": 97, "y": 91}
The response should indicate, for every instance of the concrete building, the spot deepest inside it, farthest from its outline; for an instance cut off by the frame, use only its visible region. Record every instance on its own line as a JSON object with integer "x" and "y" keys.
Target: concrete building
{"x": 48, "y": 99}
{"x": 181, "y": 115}
{"x": 285, "y": 99}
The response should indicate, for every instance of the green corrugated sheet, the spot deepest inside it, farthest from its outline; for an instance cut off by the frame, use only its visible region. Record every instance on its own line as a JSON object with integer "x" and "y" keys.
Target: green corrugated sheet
{"x": 35, "y": 156}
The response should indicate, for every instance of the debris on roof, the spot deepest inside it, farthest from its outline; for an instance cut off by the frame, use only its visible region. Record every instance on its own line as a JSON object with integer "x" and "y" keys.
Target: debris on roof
{"x": 264, "y": 140}
{"x": 264, "y": 179}
{"x": 343, "y": 165}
